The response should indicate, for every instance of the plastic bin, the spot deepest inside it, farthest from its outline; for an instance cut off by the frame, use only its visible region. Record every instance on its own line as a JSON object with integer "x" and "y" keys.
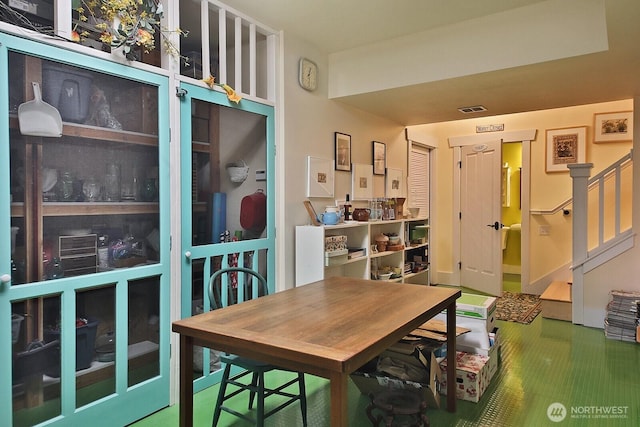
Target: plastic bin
{"x": 68, "y": 89}
{"x": 85, "y": 346}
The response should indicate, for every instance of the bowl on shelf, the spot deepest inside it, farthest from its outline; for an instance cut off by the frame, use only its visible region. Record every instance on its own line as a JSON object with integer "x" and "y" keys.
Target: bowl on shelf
{"x": 384, "y": 276}
{"x": 394, "y": 239}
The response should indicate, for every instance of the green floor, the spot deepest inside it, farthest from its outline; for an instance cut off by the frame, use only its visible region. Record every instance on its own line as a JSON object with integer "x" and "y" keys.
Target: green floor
{"x": 548, "y": 361}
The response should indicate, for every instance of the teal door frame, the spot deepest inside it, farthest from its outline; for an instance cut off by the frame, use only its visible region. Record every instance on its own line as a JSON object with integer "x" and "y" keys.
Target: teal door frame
{"x": 127, "y": 403}
{"x": 205, "y": 252}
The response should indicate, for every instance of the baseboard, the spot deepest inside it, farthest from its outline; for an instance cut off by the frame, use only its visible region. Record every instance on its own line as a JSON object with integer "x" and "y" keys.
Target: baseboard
{"x": 537, "y": 287}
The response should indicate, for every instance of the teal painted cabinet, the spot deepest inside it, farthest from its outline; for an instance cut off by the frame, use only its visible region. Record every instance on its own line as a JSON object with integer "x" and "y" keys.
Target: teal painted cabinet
{"x": 84, "y": 238}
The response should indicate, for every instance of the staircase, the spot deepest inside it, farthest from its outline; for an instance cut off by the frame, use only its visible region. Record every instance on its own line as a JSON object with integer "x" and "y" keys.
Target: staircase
{"x": 556, "y": 301}
{"x": 565, "y": 300}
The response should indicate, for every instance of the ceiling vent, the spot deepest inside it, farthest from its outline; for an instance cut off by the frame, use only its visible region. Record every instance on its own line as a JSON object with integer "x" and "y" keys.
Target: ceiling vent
{"x": 474, "y": 109}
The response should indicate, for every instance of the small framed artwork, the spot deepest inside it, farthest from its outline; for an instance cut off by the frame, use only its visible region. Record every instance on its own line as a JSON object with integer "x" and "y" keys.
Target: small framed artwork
{"x": 565, "y": 146}
{"x": 343, "y": 151}
{"x": 394, "y": 183}
{"x": 319, "y": 177}
{"x": 379, "y": 157}
{"x": 362, "y": 182}
{"x": 391, "y": 213}
{"x": 613, "y": 127}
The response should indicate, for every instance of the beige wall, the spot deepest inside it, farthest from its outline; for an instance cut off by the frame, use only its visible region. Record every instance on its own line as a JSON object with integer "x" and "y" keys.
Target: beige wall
{"x": 310, "y": 120}
{"x": 547, "y": 190}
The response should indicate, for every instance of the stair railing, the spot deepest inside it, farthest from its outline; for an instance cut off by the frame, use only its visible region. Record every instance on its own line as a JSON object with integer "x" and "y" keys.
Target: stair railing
{"x": 583, "y": 259}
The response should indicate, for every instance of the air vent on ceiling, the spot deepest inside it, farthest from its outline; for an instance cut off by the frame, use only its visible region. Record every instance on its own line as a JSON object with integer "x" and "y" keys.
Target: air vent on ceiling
{"x": 474, "y": 109}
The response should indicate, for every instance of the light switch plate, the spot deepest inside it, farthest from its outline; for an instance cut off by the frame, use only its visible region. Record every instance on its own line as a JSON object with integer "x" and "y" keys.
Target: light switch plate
{"x": 261, "y": 175}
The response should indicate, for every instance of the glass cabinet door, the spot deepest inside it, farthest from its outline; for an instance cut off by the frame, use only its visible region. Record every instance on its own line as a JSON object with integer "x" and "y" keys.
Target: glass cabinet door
{"x": 88, "y": 260}
{"x": 227, "y": 181}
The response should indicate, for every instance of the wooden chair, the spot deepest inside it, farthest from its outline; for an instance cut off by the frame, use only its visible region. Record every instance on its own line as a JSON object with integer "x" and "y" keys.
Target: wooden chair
{"x": 222, "y": 294}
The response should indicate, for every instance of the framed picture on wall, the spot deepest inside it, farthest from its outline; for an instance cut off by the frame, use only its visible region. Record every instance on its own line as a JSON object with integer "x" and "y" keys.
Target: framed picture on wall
{"x": 613, "y": 127}
{"x": 343, "y": 151}
{"x": 379, "y": 157}
{"x": 565, "y": 146}
{"x": 394, "y": 183}
{"x": 362, "y": 182}
{"x": 319, "y": 177}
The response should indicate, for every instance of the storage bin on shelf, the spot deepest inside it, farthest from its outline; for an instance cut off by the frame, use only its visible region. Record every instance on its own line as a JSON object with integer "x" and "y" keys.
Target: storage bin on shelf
{"x": 85, "y": 345}
{"x": 67, "y": 89}
{"x": 336, "y": 257}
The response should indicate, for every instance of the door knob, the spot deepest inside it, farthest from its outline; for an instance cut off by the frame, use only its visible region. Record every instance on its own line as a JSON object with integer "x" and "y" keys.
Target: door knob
{"x": 187, "y": 254}
{"x": 496, "y": 225}
{"x": 5, "y": 278}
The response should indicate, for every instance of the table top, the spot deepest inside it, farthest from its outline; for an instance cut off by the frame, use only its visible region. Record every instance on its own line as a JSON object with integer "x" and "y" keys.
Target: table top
{"x": 333, "y": 325}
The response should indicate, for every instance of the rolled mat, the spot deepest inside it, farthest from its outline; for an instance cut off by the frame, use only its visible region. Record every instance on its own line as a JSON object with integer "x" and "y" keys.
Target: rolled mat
{"x": 218, "y": 216}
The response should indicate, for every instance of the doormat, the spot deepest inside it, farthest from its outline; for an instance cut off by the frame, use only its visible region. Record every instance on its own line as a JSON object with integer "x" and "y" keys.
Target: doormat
{"x": 517, "y": 307}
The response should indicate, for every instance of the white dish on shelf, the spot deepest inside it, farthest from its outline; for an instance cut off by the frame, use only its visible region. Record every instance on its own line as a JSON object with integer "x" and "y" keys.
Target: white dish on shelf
{"x": 384, "y": 276}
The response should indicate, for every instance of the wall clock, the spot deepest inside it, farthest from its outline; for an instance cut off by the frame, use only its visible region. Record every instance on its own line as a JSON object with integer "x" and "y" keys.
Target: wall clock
{"x": 308, "y": 74}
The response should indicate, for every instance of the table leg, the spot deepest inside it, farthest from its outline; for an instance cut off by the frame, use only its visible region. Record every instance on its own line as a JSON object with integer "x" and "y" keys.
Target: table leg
{"x": 451, "y": 357}
{"x": 186, "y": 381}
{"x": 339, "y": 400}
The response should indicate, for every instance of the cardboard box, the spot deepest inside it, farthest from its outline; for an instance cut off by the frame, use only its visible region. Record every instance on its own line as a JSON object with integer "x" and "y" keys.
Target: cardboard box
{"x": 371, "y": 382}
{"x": 475, "y": 306}
{"x": 494, "y": 342}
{"x": 472, "y": 310}
{"x": 473, "y": 324}
{"x": 472, "y": 376}
{"x": 493, "y": 352}
{"x": 335, "y": 243}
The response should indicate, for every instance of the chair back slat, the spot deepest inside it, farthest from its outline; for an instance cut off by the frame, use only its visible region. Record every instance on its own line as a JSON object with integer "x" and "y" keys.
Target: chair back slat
{"x": 223, "y": 291}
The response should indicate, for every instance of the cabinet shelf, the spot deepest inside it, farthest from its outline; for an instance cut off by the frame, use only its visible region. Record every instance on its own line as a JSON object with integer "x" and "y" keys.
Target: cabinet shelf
{"x": 423, "y": 245}
{"x": 410, "y": 275}
{"x": 384, "y": 254}
{"x": 51, "y": 209}
{"x": 104, "y": 134}
{"x": 98, "y": 208}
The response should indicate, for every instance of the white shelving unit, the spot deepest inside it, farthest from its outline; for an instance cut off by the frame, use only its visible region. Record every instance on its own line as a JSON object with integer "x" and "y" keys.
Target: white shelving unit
{"x": 311, "y": 263}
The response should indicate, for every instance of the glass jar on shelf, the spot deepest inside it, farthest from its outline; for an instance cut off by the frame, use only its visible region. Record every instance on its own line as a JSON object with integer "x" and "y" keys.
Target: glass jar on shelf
{"x": 112, "y": 183}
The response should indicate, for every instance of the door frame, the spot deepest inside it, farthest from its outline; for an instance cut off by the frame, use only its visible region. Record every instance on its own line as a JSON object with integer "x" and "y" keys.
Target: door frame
{"x": 526, "y": 136}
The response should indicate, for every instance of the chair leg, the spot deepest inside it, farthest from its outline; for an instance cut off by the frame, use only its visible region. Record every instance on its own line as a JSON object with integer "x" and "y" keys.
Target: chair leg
{"x": 260, "y": 415}
{"x": 303, "y": 398}
{"x": 221, "y": 392}
{"x": 252, "y": 390}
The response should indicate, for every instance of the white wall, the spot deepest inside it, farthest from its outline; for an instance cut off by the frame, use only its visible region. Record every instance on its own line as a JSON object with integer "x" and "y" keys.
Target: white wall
{"x": 310, "y": 120}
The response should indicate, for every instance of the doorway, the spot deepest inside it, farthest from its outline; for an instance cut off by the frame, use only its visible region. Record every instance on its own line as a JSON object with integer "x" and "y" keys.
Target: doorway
{"x": 511, "y": 240}
{"x": 460, "y": 239}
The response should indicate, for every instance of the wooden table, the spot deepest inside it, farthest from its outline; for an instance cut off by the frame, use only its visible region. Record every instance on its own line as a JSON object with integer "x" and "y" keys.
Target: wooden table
{"x": 328, "y": 328}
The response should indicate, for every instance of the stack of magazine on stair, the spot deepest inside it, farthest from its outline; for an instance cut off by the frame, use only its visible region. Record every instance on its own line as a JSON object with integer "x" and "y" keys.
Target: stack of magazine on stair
{"x": 621, "y": 318}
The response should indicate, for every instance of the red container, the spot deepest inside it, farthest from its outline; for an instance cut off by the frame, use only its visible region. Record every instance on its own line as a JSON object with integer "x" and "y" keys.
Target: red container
{"x": 253, "y": 211}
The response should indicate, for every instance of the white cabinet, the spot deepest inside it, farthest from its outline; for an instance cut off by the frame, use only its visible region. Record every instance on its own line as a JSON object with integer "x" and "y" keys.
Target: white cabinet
{"x": 409, "y": 263}
{"x": 311, "y": 263}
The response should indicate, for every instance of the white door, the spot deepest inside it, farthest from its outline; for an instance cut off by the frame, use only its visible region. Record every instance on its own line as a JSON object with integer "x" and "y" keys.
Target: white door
{"x": 481, "y": 252}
